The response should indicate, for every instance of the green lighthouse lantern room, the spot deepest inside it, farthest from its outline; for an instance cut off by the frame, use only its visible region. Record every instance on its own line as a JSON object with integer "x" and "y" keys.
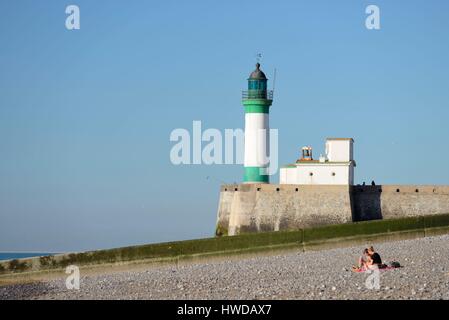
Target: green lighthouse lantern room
{"x": 257, "y": 84}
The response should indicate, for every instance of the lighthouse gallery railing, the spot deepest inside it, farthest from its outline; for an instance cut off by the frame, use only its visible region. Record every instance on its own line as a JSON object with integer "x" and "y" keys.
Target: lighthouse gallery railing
{"x": 257, "y": 94}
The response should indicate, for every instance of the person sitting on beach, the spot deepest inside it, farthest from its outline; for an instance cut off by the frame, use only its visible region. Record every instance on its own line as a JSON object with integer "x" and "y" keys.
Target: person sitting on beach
{"x": 374, "y": 259}
{"x": 369, "y": 260}
{"x": 363, "y": 258}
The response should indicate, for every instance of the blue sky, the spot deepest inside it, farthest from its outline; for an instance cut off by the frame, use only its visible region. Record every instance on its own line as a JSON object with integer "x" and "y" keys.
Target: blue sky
{"x": 86, "y": 115}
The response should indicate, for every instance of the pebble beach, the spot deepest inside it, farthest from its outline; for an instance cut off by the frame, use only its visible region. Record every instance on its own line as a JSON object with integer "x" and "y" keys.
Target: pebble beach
{"x": 322, "y": 274}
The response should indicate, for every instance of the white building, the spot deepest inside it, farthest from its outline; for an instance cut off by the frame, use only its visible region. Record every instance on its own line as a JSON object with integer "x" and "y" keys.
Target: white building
{"x": 335, "y": 168}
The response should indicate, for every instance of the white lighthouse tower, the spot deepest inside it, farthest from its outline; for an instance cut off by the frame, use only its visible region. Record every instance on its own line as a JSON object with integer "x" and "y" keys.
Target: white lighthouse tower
{"x": 257, "y": 101}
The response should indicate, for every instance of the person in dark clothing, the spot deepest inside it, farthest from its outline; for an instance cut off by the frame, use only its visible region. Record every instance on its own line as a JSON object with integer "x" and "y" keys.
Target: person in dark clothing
{"x": 374, "y": 258}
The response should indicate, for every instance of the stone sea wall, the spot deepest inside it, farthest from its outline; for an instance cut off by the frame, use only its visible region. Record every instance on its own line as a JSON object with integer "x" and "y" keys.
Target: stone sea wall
{"x": 267, "y": 207}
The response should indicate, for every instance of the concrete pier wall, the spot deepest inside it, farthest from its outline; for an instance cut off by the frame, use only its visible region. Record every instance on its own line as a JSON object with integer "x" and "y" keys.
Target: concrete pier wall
{"x": 398, "y": 201}
{"x": 267, "y": 207}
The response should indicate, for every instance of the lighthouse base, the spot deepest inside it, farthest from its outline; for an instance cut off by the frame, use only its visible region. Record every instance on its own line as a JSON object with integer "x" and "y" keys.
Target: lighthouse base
{"x": 256, "y": 175}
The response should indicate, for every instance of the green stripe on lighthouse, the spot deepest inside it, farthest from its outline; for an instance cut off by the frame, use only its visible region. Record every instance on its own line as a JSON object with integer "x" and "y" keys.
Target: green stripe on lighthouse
{"x": 257, "y": 109}
{"x": 255, "y": 174}
{"x": 257, "y": 106}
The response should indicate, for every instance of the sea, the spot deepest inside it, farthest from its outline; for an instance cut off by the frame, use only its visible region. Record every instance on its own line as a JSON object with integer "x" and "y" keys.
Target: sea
{"x": 18, "y": 255}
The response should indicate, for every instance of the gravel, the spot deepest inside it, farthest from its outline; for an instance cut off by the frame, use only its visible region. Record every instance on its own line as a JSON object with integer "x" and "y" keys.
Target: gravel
{"x": 295, "y": 275}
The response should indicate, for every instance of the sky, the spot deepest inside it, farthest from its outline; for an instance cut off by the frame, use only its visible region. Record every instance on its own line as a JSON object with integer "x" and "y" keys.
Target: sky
{"x": 86, "y": 115}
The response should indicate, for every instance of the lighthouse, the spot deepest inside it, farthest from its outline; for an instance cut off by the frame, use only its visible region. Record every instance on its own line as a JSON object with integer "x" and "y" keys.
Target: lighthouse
{"x": 257, "y": 101}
